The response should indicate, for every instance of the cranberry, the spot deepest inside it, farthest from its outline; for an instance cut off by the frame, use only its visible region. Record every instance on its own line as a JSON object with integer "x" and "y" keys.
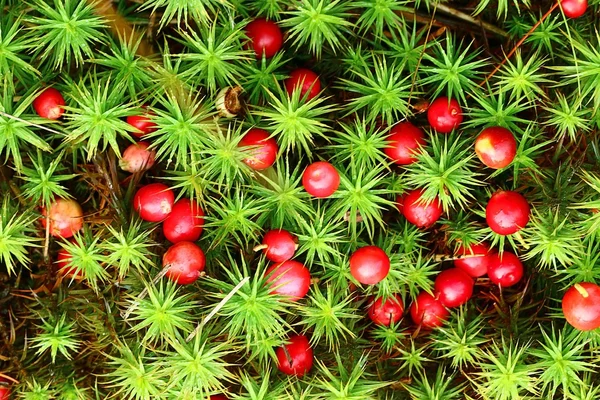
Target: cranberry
{"x": 455, "y": 287}
{"x": 573, "y": 8}
{"x": 444, "y": 115}
{"x": 218, "y": 397}
{"x": 321, "y": 179}
{"x": 264, "y": 149}
{"x": 62, "y": 262}
{"x": 474, "y": 266}
{"x": 184, "y": 223}
{"x": 300, "y": 356}
{"x": 428, "y": 311}
{"x": 265, "y": 37}
{"x": 143, "y": 124}
{"x": 49, "y": 104}
{"x": 154, "y": 202}
{"x": 369, "y": 265}
{"x": 289, "y": 278}
{"x": 505, "y": 269}
{"x": 417, "y": 211}
{"x": 5, "y": 391}
{"x": 185, "y": 262}
{"x": 404, "y": 141}
{"x": 137, "y": 158}
{"x": 581, "y": 306}
{"x": 279, "y": 245}
{"x": 507, "y": 212}
{"x": 65, "y": 217}
{"x": 386, "y": 312}
{"x": 306, "y": 80}
{"x": 496, "y": 147}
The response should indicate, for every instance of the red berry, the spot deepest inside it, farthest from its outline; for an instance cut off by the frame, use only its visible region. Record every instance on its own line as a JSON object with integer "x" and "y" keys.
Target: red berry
{"x": 154, "y": 202}
{"x": 143, "y": 125}
{"x": 507, "y": 212}
{"x": 49, "y": 104}
{"x": 306, "y": 80}
{"x": 264, "y": 149}
{"x": 581, "y": 306}
{"x": 428, "y": 311}
{"x": 137, "y": 158}
{"x": 289, "y": 278}
{"x": 62, "y": 262}
{"x": 474, "y": 266}
{"x": 280, "y": 245}
{"x": 369, "y": 265}
{"x": 184, "y": 223}
{"x": 444, "y": 115}
{"x": 496, "y": 147}
{"x": 454, "y": 287}
{"x": 386, "y": 312}
{"x": 321, "y": 179}
{"x": 505, "y": 269}
{"x": 66, "y": 218}
{"x": 300, "y": 356}
{"x": 417, "y": 211}
{"x": 218, "y": 397}
{"x": 265, "y": 36}
{"x": 573, "y": 8}
{"x": 185, "y": 262}
{"x": 4, "y": 389}
{"x": 404, "y": 141}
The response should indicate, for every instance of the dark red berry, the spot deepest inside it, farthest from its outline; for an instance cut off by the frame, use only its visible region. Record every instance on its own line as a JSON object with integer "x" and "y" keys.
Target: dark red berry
{"x": 63, "y": 260}
{"x": 507, "y": 212}
{"x": 290, "y": 279}
{"x": 184, "y": 223}
{"x": 573, "y": 8}
{"x": 454, "y": 287}
{"x": 321, "y": 179}
{"x": 306, "y": 80}
{"x": 369, "y": 265}
{"x": 154, "y": 202}
{"x": 444, "y": 115}
{"x": 49, "y": 104}
{"x": 428, "y": 311}
{"x": 581, "y": 306}
{"x": 300, "y": 355}
{"x": 5, "y": 391}
{"x": 137, "y": 157}
{"x": 262, "y": 149}
{"x": 279, "y": 245}
{"x": 143, "y": 125}
{"x": 218, "y": 397}
{"x": 265, "y": 36}
{"x": 404, "y": 141}
{"x": 185, "y": 262}
{"x": 65, "y": 217}
{"x": 474, "y": 266}
{"x": 505, "y": 269}
{"x": 417, "y": 211}
{"x": 496, "y": 147}
{"x": 386, "y": 312}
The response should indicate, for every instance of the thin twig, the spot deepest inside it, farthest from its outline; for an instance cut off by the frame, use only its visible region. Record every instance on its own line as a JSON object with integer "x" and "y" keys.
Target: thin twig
{"x": 466, "y": 17}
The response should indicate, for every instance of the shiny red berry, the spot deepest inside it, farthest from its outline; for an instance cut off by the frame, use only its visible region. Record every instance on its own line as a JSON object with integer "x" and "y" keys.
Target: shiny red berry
{"x": 369, "y": 265}
{"x": 304, "y": 79}
{"x": 5, "y": 391}
{"x": 297, "y": 357}
{"x": 65, "y": 217}
{"x": 265, "y": 36}
{"x": 321, "y": 179}
{"x": 496, "y": 147}
{"x": 185, "y": 262}
{"x": 505, "y": 269}
{"x": 444, "y": 115}
{"x": 261, "y": 148}
{"x": 581, "y": 306}
{"x": 454, "y": 287}
{"x": 476, "y": 260}
{"x": 507, "y": 212}
{"x": 386, "y": 312}
{"x": 154, "y": 202}
{"x": 403, "y": 143}
{"x": 49, "y": 104}
{"x": 417, "y": 211}
{"x": 290, "y": 279}
{"x": 279, "y": 245}
{"x": 143, "y": 125}
{"x": 428, "y": 311}
{"x": 573, "y": 8}
{"x": 137, "y": 157}
{"x": 184, "y": 223}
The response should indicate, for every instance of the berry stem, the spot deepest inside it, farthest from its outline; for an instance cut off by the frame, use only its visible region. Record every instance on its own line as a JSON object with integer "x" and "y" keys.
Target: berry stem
{"x": 582, "y": 291}
{"x": 260, "y": 247}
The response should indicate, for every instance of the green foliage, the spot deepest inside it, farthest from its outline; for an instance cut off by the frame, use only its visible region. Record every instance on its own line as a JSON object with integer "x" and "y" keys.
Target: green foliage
{"x": 16, "y": 235}
{"x": 58, "y": 336}
{"x": 43, "y": 183}
{"x": 199, "y": 10}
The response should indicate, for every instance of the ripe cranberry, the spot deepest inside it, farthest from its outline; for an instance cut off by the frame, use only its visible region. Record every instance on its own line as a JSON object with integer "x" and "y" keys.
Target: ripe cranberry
{"x": 184, "y": 223}
{"x": 143, "y": 125}
{"x": 321, "y": 179}
{"x": 369, "y": 265}
{"x": 265, "y": 36}
{"x": 474, "y": 266}
{"x": 49, "y": 104}
{"x": 279, "y": 245}
{"x": 264, "y": 149}
{"x": 454, "y": 287}
{"x": 386, "y": 312}
{"x": 289, "y": 278}
{"x": 573, "y": 8}
{"x": 185, "y": 262}
{"x": 300, "y": 354}
{"x": 507, "y": 212}
{"x": 444, "y": 115}
{"x": 4, "y": 389}
{"x": 137, "y": 158}
{"x": 404, "y": 141}
{"x": 496, "y": 147}
{"x": 581, "y": 306}
{"x": 62, "y": 262}
{"x": 417, "y": 211}
{"x": 65, "y": 217}
{"x": 306, "y": 80}
{"x": 505, "y": 269}
{"x": 154, "y": 202}
{"x": 428, "y": 311}
{"x": 218, "y": 397}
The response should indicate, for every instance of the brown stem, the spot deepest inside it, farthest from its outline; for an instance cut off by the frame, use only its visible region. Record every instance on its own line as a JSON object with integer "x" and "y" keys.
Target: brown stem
{"x": 582, "y": 291}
